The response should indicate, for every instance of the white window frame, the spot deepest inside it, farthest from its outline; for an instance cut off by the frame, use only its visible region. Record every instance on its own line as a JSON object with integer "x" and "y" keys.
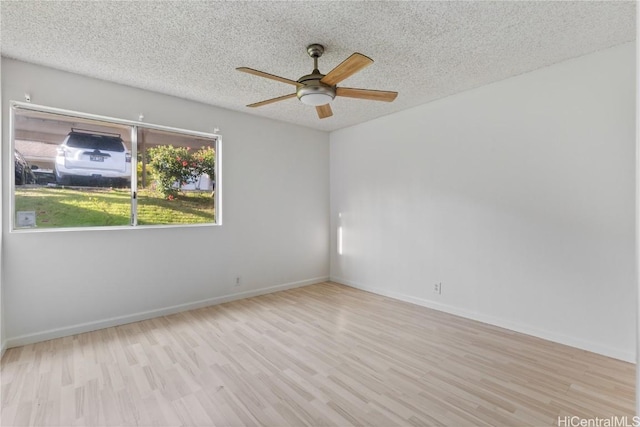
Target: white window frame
{"x": 135, "y": 125}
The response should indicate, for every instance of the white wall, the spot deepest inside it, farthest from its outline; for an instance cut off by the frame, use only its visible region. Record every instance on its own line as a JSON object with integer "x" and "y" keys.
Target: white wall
{"x": 517, "y": 196}
{"x": 274, "y": 235}
{"x": 2, "y": 340}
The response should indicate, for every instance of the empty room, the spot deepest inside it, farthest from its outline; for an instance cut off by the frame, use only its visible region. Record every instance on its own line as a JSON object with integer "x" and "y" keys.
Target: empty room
{"x": 318, "y": 213}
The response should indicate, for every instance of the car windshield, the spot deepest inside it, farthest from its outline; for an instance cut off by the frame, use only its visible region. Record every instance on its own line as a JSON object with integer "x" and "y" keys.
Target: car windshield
{"x": 95, "y": 142}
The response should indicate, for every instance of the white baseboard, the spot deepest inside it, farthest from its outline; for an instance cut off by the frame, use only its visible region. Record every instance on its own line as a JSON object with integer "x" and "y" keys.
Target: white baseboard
{"x": 502, "y": 323}
{"x": 136, "y": 317}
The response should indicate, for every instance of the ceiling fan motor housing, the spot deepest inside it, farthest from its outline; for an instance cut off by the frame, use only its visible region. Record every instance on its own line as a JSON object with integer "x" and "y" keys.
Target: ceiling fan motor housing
{"x": 313, "y": 91}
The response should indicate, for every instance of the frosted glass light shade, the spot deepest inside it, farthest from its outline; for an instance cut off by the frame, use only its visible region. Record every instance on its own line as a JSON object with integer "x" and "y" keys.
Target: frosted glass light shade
{"x": 316, "y": 99}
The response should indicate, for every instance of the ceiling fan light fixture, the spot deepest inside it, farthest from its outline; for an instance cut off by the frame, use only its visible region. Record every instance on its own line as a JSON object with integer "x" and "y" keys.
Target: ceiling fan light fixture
{"x": 316, "y": 99}
{"x": 316, "y": 95}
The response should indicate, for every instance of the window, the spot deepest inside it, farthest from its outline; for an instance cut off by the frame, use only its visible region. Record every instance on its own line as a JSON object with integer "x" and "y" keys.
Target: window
{"x": 78, "y": 170}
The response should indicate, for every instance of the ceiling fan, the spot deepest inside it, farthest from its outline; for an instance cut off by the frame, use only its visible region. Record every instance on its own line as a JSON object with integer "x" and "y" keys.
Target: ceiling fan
{"x": 318, "y": 89}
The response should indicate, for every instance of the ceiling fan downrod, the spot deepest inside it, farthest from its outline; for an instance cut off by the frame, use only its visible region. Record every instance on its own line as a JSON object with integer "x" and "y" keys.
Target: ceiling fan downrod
{"x": 315, "y": 51}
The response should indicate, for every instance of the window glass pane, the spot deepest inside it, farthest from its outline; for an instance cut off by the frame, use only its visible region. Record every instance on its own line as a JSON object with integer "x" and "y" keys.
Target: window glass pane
{"x": 176, "y": 178}
{"x": 70, "y": 171}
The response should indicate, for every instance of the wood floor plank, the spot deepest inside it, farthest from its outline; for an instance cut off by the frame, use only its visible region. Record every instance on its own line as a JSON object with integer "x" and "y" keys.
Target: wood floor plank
{"x": 321, "y": 355}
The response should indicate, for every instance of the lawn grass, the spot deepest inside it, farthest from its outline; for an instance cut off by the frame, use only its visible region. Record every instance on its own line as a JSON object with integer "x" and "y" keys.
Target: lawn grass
{"x": 84, "y": 207}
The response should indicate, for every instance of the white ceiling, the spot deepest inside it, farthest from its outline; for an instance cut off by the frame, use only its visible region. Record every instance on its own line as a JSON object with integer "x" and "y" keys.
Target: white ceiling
{"x": 423, "y": 50}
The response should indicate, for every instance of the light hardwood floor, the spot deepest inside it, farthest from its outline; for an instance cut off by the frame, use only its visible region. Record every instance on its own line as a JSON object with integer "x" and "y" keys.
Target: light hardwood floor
{"x": 321, "y": 355}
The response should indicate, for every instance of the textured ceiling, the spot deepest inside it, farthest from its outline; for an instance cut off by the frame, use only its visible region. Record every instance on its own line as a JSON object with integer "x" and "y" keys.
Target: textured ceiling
{"x": 423, "y": 50}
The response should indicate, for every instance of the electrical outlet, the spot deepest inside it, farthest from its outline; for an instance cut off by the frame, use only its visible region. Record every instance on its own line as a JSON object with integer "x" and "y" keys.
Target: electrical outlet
{"x": 237, "y": 282}
{"x": 437, "y": 288}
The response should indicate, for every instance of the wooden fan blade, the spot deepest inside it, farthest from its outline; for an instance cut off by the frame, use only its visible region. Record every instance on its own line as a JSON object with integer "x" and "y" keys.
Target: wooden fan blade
{"x": 324, "y": 111}
{"x": 346, "y": 68}
{"x": 374, "y": 95}
{"x": 272, "y": 100}
{"x": 267, "y": 76}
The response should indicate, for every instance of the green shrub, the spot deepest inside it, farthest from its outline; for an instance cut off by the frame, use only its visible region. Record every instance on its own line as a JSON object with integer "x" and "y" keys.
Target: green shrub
{"x": 172, "y": 167}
